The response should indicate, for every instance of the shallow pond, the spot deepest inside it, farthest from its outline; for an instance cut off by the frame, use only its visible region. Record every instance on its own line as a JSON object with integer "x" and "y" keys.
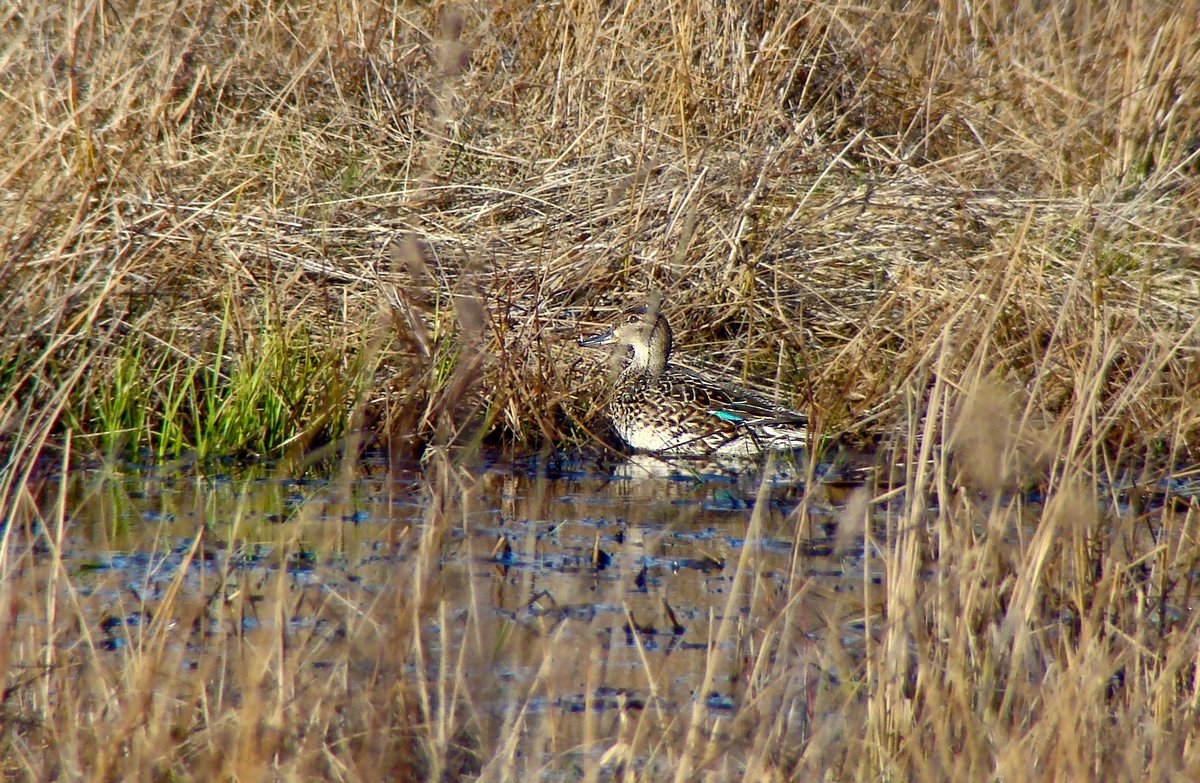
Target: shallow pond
{"x": 550, "y": 586}
{"x": 645, "y": 549}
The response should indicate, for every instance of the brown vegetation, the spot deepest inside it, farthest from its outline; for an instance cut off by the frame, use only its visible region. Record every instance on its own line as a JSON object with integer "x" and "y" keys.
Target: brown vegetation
{"x": 968, "y": 233}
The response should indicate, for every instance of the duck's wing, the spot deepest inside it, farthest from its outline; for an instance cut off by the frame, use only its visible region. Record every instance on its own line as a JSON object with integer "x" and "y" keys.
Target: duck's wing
{"x": 734, "y": 404}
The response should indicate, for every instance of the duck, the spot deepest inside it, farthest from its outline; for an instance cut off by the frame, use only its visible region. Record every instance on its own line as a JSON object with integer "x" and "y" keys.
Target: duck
{"x": 661, "y": 407}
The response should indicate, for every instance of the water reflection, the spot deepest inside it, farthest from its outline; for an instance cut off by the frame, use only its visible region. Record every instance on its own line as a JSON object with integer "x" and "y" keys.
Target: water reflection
{"x": 575, "y": 592}
{"x": 622, "y": 573}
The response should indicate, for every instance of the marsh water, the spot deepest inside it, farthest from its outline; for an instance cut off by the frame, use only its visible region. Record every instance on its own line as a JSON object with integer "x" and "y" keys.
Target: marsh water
{"x": 644, "y": 550}
{"x": 637, "y": 563}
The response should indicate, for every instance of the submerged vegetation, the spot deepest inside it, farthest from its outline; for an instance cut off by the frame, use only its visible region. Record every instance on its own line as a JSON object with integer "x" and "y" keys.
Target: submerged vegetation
{"x": 966, "y": 235}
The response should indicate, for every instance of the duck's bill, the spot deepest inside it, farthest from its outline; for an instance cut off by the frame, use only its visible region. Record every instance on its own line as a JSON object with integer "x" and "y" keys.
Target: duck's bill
{"x": 604, "y": 338}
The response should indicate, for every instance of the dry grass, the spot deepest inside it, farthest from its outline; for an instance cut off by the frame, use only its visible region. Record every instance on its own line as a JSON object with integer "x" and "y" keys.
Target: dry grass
{"x": 966, "y": 233}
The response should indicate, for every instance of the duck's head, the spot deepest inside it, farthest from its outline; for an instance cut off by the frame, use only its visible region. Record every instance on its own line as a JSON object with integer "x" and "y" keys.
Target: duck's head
{"x": 647, "y": 334}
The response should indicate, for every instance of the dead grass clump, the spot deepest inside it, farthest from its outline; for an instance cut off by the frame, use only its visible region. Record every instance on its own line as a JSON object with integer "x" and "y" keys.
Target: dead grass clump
{"x": 995, "y": 455}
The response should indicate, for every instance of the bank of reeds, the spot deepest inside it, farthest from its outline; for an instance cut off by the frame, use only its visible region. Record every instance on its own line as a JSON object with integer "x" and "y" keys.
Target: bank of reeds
{"x": 965, "y": 234}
